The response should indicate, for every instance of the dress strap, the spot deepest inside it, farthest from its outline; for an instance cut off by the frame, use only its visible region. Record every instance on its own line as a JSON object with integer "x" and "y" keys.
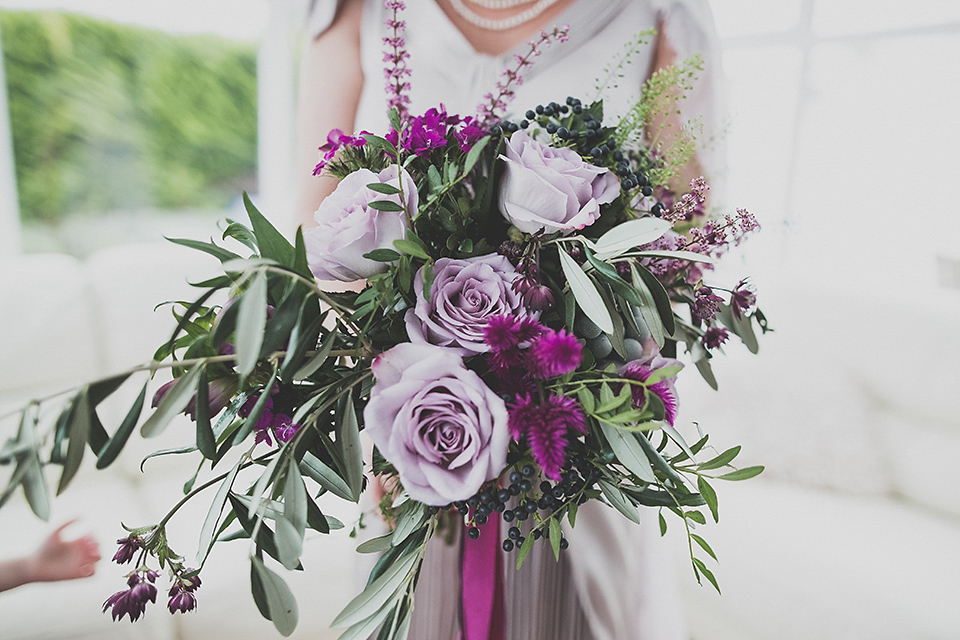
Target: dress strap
{"x": 321, "y": 14}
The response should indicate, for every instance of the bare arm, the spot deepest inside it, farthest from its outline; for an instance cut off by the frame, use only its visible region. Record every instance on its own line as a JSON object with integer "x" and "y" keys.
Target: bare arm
{"x": 55, "y": 559}
{"x": 331, "y": 79}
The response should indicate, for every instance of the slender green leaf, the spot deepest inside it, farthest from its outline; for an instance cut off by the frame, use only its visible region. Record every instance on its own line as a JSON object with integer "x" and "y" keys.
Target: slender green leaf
{"x": 721, "y": 460}
{"x": 102, "y": 389}
{"x": 376, "y": 545}
{"x": 316, "y": 360}
{"x": 410, "y": 520}
{"x": 213, "y": 514}
{"x": 251, "y": 319}
{"x": 173, "y": 403}
{"x": 78, "y": 429}
{"x": 703, "y": 545}
{"x": 630, "y": 234}
{"x": 292, "y": 526}
{"x": 619, "y": 501}
{"x": 674, "y": 255}
{"x": 629, "y": 452}
{"x": 218, "y": 252}
{"x": 743, "y": 474}
{"x": 660, "y": 298}
{"x": 555, "y": 535}
{"x": 384, "y": 188}
{"x": 272, "y": 243}
{"x": 109, "y": 453}
{"x": 696, "y": 516}
{"x": 585, "y": 292}
{"x": 709, "y": 496}
{"x": 385, "y": 205}
{"x": 376, "y": 596}
{"x": 280, "y": 601}
{"x": 411, "y": 248}
{"x": 382, "y": 255}
{"x": 206, "y": 443}
{"x": 474, "y": 154}
{"x": 269, "y": 475}
{"x": 707, "y": 573}
{"x": 663, "y": 524}
{"x": 259, "y": 407}
{"x": 525, "y": 548}
{"x": 325, "y": 476}
{"x": 348, "y": 435}
{"x": 648, "y": 310}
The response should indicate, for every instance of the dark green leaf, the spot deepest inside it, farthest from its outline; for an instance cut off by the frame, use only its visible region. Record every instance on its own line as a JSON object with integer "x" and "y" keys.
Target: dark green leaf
{"x": 382, "y": 255}
{"x": 385, "y": 205}
{"x": 474, "y": 154}
{"x": 660, "y": 297}
{"x": 525, "y": 550}
{"x": 78, "y": 430}
{"x": 325, "y": 476}
{"x": 206, "y": 443}
{"x": 411, "y": 248}
{"x": 221, "y": 254}
{"x": 209, "y": 527}
{"x": 271, "y": 242}
{"x": 696, "y": 516}
{"x": 703, "y": 545}
{"x": 555, "y": 535}
{"x": 240, "y": 233}
{"x": 707, "y": 573}
{"x": 251, "y": 319}
{"x": 663, "y": 524}
{"x": 281, "y": 323}
{"x": 348, "y": 436}
{"x": 102, "y": 389}
{"x": 300, "y": 263}
{"x": 384, "y": 188}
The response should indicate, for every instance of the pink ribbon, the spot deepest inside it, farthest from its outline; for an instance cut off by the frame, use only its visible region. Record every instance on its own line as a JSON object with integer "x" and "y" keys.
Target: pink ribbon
{"x": 482, "y": 585}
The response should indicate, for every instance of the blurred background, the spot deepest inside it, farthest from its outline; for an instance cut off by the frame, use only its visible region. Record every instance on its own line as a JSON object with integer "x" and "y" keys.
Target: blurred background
{"x": 128, "y": 120}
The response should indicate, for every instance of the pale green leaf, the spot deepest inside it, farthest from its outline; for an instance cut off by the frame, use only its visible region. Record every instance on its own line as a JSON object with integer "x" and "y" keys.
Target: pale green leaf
{"x": 209, "y": 528}
{"x": 629, "y": 452}
{"x": 348, "y": 435}
{"x": 630, "y": 234}
{"x": 379, "y": 593}
{"x": 555, "y": 535}
{"x": 268, "y": 475}
{"x": 743, "y": 474}
{"x": 173, "y": 403}
{"x": 585, "y": 292}
{"x": 325, "y": 476}
{"x": 376, "y": 545}
{"x": 280, "y": 601}
{"x": 251, "y": 320}
{"x": 619, "y": 501}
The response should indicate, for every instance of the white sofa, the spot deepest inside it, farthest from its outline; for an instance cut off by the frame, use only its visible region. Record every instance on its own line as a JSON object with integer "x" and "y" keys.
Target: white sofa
{"x": 853, "y": 533}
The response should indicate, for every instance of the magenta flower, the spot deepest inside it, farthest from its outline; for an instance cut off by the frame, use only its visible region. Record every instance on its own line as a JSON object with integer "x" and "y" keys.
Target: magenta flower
{"x": 547, "y": 428}
{"x": 553, "y": 354}
{"x": 181, "y": 594}
{"x": 504, "y": 332}
{"x": 665, "y": 389}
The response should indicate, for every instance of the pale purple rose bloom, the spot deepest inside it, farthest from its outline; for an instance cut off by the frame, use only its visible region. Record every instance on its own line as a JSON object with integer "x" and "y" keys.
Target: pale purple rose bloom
{"x": 436, "y": 421}
{"x": 552, "y": 188}
{"x": 348, "y": 227}
{"x": 464, "y": 295}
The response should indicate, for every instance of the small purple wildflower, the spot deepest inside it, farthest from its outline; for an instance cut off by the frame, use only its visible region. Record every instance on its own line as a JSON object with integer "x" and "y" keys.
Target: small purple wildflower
{"x": 536, "y": 296}
{"x": 714, "y": 337}
{"x": 181, "y": 594}
{"x": 336, "y": 140}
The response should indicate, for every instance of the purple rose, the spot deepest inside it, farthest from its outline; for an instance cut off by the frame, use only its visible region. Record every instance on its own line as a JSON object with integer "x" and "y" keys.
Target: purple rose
{"x": 552, "y": 188}
{"x": 348, "y": 227}
{"x": 464, "y": 295}
{"x": 443, "y": 429}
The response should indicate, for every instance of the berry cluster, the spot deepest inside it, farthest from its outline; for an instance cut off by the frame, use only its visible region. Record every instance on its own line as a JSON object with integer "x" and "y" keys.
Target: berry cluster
{"x": 522, "y": 500}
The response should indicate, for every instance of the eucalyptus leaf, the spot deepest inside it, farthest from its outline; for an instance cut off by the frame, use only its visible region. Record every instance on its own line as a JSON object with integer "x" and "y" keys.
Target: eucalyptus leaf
{"x": 109, "y": 453}
{"x": 379, "y": 593}
{"x": 251, "y": 319}
{"x": 629, "y": 452}
{"x": 411, "y": 519}
{"x": 585, "y": 292}
{"x": 630, "y": 234}
{"x": 376, "y": 545}
{"x": 325, "y": 476}
{"x": 348, "y": 435}
{"x": 78, "y": 429}
{"x": 619, "y": 501}
{"x": 280, "y": 601}
{"x": 213, "y": 514}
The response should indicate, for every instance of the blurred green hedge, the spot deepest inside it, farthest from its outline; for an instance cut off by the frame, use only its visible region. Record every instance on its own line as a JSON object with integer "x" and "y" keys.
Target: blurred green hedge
{"x": 108, "y": 116}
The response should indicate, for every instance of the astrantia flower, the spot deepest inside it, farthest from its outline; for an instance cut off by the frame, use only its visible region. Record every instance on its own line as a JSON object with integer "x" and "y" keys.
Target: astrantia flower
{"x": 706, "y": 306}
{"x": 553, "y": 354}
{"x": 128, "y": 548}
{"x": 547, "y": 428}
{"x": 133, "y": 601}
{"x": 714, "y": 337}
{"x": 743, "y": 298}
{"x": 665, "y": 389}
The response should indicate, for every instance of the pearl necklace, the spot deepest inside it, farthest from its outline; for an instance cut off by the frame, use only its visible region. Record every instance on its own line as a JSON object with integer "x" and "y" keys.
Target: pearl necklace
{"x": 501, "y": 24}
{"x": 500, "y": 4}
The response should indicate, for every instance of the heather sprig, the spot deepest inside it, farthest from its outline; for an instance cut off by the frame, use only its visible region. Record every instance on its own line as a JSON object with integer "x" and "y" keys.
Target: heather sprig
{"x": 495, "y": 103}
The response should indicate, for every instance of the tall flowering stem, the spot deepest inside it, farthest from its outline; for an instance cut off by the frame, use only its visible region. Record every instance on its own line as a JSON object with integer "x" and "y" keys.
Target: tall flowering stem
{"x": 493, "y": 106}
{"x": 395, "y": 61}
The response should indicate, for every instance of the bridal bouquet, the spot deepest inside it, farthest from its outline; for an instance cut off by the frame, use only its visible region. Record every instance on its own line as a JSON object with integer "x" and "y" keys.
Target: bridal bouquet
{"x": 512, "y": 352}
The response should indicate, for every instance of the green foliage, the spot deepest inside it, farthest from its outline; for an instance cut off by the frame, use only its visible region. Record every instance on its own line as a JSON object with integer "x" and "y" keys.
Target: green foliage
{"x": 106, "y": 116}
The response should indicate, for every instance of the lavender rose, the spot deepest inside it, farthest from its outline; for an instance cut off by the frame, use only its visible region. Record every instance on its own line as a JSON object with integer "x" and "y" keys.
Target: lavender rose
{"x": 443, "y": 429}
{"x": 551, "y": 188}
{"x": 348, "y": 227}
{"x": 465, "y": 293}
